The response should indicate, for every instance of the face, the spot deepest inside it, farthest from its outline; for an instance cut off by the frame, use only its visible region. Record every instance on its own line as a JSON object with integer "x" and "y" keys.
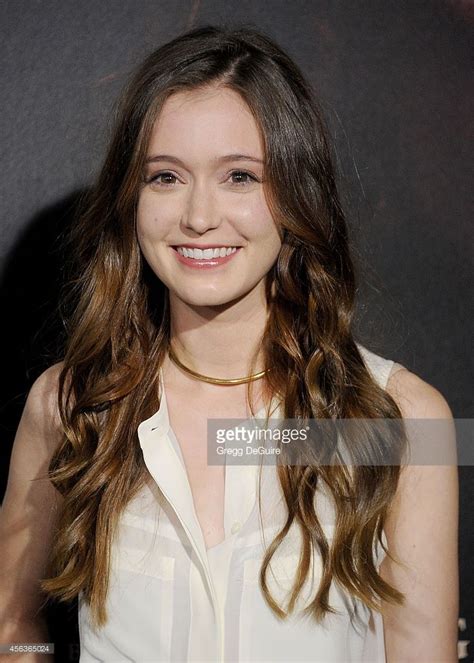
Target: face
{"x": 198, "y": 192}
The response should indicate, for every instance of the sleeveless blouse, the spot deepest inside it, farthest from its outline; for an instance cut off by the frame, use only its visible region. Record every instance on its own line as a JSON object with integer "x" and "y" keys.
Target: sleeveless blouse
{"x": 172, "y": 600}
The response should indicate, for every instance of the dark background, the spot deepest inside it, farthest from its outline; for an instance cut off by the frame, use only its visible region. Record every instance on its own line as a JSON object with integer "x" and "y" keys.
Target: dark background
{"x": 394, "y": 79}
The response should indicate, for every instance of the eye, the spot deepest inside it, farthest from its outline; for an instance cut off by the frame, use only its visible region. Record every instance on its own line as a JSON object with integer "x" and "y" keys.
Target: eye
{"x": 166, "y": 179}
{"x": 155, "y": 179}
{"x": 240, "y": 173}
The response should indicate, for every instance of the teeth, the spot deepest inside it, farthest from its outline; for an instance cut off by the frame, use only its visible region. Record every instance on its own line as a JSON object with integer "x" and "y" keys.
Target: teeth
{"x": 206, "y": 253}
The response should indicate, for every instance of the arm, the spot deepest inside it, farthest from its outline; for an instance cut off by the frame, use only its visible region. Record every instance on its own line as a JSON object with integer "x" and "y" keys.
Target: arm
{"x": 422, "y": 529}
{"x": 27, "y": 520}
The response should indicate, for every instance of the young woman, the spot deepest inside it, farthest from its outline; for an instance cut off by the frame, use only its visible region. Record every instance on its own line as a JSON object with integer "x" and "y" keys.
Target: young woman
{"x": 215, "y": 281}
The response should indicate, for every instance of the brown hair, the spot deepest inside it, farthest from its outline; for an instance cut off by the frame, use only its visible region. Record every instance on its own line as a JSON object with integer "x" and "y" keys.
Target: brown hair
{"x": 118, "y": 331}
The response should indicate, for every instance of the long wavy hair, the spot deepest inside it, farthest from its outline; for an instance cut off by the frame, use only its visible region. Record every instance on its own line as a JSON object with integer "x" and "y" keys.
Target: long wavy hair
{"x": 118, "y": 331}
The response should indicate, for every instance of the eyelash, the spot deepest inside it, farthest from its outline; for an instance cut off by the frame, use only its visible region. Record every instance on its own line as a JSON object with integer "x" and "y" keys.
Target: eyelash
{"x": 154, "y": 178}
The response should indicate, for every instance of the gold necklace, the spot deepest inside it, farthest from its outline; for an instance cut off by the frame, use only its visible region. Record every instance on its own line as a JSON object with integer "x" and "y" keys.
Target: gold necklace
{"x": 205, "y": 378}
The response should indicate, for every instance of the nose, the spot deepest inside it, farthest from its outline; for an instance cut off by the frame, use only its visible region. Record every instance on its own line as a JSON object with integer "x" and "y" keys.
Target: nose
{"x": 201, "y": 213}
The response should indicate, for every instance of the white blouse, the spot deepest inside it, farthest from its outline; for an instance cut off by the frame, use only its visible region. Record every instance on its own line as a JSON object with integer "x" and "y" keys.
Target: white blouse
{"x": 171, "y": 600}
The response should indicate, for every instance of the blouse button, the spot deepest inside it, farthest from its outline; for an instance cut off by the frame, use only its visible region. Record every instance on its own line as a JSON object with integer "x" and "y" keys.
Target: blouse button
{"x": 235, "y": 527}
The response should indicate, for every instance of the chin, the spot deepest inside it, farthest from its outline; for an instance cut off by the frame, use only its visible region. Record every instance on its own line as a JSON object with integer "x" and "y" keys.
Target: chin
{"x": 209, "y": 300}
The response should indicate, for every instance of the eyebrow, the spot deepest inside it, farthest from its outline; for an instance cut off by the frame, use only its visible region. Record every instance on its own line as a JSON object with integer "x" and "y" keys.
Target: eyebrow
{"x": 223, "y": 159}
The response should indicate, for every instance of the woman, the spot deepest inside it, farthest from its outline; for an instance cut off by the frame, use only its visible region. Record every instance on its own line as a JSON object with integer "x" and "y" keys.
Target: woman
{"x": 216, "y": 282}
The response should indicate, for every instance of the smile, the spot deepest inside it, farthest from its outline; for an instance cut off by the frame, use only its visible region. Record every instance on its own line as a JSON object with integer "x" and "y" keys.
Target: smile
{"x": 205, "y": 258}
{"x": 217, "y": 252}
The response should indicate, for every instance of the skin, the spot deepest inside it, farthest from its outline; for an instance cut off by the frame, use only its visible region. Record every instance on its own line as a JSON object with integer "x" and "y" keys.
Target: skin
{"x": 217, "y": 316}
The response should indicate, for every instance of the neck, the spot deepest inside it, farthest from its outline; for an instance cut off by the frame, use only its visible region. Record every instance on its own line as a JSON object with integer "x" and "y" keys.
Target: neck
{"x": 218, "y": 341}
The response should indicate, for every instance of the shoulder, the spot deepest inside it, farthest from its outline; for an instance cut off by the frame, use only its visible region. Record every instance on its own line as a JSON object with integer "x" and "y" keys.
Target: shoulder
{"x": 416, "y": 398}
{"x": 419, "y": 400}
{"x": 38, "y": 435}
{"x": 41, "y": 409}
{"x": 46, "y": 384}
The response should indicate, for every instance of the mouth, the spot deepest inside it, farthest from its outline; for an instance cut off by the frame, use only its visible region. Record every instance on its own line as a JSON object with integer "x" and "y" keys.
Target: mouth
{"x": 206, "y": 258}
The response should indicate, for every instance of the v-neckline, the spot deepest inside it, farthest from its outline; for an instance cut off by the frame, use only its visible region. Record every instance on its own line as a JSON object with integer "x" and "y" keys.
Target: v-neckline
{"x": 167, "y": 428}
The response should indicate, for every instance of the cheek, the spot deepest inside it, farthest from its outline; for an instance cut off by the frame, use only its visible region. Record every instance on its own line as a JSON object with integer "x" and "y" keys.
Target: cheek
{"x": 266, "y": 230}
{"x": 257, "y": 219}
{"x": 150, "y": 221}
{"x": 143, "y": 218}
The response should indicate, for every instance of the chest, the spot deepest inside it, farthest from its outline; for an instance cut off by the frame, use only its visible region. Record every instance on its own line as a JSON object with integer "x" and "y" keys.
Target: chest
{"x": 188, "y": 421}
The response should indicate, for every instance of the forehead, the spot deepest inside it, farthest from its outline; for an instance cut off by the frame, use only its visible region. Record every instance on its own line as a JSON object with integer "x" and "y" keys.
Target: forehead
{"x": 210, "y": 121}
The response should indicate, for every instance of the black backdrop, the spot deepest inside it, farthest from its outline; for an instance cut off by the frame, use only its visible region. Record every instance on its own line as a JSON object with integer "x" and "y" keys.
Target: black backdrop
{"x": 394, "y": 80}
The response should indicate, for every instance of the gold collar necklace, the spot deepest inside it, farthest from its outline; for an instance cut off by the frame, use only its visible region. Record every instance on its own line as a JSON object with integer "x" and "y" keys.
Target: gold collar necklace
{"x": 206, "y": 378}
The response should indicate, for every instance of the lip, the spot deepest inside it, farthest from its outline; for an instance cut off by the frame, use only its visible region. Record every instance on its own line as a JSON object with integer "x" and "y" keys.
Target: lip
{"x": 204, "y": 263}
{"x": 205, "y": 246}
